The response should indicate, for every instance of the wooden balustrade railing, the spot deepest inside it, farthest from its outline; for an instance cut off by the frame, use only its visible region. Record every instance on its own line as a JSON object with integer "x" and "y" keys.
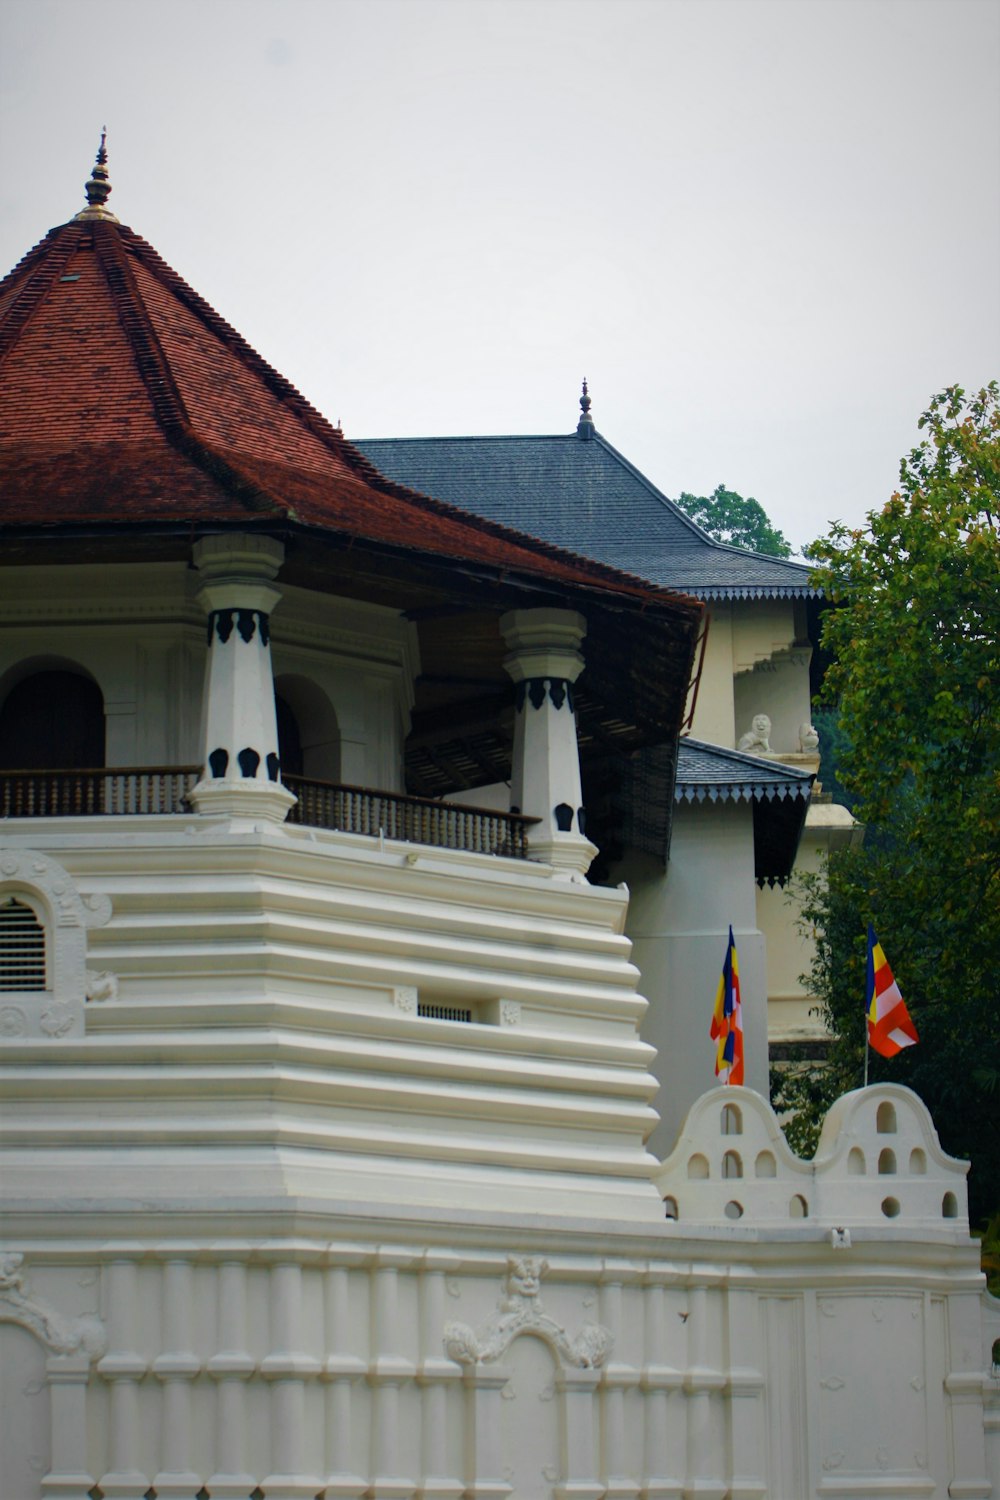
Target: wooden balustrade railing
{"x": 414, "y": 820}
{"x": 115, "y": 790}
{"x": 141, "y": 790}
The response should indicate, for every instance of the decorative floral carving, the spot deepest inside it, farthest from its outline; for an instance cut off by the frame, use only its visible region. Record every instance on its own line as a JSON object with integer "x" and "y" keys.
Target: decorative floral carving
{"x": 59, "y": 1334}
{"x": 510, "y": 1012}
{"x": 404, "y": 998}
{"x": 520, "y": 1310}
{"x": 13, "y": 1022}
{"x": 56, "y": 1020}
{"x": 101, "y": 985}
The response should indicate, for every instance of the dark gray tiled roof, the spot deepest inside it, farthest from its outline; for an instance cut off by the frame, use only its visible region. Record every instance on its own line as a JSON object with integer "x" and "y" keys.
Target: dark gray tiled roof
{"x": 710, "y": 773}
{"x": 583, "y": 495}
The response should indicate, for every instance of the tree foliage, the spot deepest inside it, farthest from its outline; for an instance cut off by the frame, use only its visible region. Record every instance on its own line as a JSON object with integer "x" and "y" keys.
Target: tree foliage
{"x": 915, "y": 637}
{"x": 735, "y": 520}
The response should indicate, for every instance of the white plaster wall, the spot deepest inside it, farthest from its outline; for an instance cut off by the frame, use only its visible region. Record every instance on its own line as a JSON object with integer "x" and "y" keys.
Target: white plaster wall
{"x": 136, "y": 631}
{"x": 679, "y": 924}
{"x": 714, "y": 719}
{"x": 790, "y": 946}
{"x": 332, "y": 1360}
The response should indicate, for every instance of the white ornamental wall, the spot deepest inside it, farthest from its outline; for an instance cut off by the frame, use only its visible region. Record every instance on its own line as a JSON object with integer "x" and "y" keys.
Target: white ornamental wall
{"x": 289, "y": 1354}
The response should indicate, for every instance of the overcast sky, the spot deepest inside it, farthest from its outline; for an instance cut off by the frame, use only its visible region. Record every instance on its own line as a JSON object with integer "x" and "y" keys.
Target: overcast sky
{"x": 766, "y": 230}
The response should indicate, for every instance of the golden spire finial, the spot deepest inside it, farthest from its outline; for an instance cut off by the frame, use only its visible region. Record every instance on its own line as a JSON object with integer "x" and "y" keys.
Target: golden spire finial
{"x": 98, "y": 186}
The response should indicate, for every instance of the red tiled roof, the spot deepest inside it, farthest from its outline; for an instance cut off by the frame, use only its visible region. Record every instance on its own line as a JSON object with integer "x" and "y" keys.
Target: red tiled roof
{"x": 124, "y": 397}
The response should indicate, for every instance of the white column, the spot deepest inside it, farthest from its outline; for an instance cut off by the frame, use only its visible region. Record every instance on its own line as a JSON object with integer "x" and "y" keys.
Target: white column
{"x": 964, "y": 1386}
{"x": 123, "y": 1368}
{"x": 544, "y": 662}
{"x": 388, "y": 1372}
{"x": 706, "y": 1425}
{"x": 176, "y": 1368}
{"x": 288, "y": 1366}
{"x": 662, "y": 1410}
{"x": 483, "y": 1427}
{"x": 342, "y": 1371}
{"x": 435, "y": 1375}
{"x": 231, "y": 1367}
{"x": 67, "y": 1376}
{"x": 240, "y": 775}
{"x": 619, "y": 1460}
{"x": 746, "y": 1396}
{"x": 577, "y": 1389}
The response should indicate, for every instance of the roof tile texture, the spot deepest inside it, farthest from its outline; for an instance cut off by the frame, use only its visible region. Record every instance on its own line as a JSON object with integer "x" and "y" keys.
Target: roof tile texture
{"x": 126, "y": 397}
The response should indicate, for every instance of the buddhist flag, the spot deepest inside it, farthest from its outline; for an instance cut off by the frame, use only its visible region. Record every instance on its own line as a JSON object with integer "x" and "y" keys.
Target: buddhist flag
{"x": 889, "y": 1026}
{"x": 727, "y": 1020}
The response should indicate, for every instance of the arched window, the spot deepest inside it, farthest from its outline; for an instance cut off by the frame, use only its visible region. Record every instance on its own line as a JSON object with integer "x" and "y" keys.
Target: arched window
{"x": 22, "y": 946}
{"x": 308, "y": 732}
{"x": 885, "y": 1118}
{"x": 52, "y": 720}
{"x": 731, "y": 1120}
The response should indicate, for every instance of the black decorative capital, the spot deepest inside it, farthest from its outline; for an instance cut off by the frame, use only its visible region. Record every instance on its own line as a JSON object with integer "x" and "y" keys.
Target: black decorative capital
{"x": 221, "y": 623}
{"x": 535, "y": 690}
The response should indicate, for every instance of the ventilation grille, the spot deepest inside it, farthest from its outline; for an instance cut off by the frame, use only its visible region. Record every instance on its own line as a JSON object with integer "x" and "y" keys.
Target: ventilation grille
{"x": 444, "y": 1012}
{"x": 22, "y": 947}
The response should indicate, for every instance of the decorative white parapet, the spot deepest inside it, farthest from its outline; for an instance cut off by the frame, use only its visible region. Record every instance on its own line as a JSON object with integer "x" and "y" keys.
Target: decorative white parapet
{"x": 241, "y": 770}
{"x": 878, "y": 1164}
{"x": 544, "y": 662}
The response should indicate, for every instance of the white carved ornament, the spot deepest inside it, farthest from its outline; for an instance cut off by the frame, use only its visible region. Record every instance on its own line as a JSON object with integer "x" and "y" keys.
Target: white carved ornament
{"x": 520, "y": 1310}
{"x": 59, "y": 1333}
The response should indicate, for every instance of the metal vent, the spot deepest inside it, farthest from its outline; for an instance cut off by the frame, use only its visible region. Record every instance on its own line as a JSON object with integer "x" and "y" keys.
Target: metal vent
{"x": 22, "y": 947}
{"x": 444, "y": 1012}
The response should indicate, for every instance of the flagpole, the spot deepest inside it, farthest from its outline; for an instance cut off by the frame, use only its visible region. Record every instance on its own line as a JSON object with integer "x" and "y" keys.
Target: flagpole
{"x": 866, "y": 1051}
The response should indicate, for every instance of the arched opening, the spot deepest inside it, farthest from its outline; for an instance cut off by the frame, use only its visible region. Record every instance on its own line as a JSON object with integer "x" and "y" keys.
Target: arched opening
{"x": 798, "y": 1208}
{"x": 52, "y": 720}
{"x": 856, "y": 1165}
{"x": 765, "y": 1165}
{"x": 918, "y": 1162}
{"x": 670, "y": 1208}
{"x": 949, "y": 1206}
{"x": 731, "y": 1120}
{"x": 22, "y": 945}
{"x": 698, "y": 1167}
{"x": 885, "y": 1118}
{"x": 732, "y": 1165}
{"x": 886, "y": 1162}
{"x": 308, "y": 733}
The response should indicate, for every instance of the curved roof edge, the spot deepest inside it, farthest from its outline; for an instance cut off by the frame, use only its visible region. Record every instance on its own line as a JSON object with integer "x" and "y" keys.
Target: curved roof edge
{"x": 711, "y": 773}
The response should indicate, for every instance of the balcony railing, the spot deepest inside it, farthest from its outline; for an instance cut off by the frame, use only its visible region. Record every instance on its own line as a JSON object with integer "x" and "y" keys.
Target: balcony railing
{"x": 116, "y": 790}
{"x": 412, "y": 820}
{"x": 142, "y": 790}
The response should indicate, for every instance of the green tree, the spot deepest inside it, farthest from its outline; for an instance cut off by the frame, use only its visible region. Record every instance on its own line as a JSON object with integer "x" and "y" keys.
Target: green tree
{"x": 737, "y": 521}
{"x": 915, "y": 637}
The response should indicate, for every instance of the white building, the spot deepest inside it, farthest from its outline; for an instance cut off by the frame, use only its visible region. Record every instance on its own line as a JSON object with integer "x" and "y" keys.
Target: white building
{"x": 325, "y": 1165}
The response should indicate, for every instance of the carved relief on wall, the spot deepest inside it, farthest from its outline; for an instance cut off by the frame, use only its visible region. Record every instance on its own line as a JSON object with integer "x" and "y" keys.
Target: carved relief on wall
{"x": 520, "y": 1310}
{"x": 60, "y": 1334}
{"x": 45, "y": 999}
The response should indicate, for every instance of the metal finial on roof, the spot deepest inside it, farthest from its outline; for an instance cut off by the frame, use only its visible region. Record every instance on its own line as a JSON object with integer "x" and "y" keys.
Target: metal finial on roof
{"x": 585, "y": 426}
{"x": 98, "y": 186}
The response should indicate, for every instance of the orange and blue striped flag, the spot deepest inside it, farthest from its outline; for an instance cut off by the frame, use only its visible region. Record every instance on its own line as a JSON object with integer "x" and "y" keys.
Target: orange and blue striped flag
{"x": 727, "y": 1020}
{"x": 889, "y": 1026}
